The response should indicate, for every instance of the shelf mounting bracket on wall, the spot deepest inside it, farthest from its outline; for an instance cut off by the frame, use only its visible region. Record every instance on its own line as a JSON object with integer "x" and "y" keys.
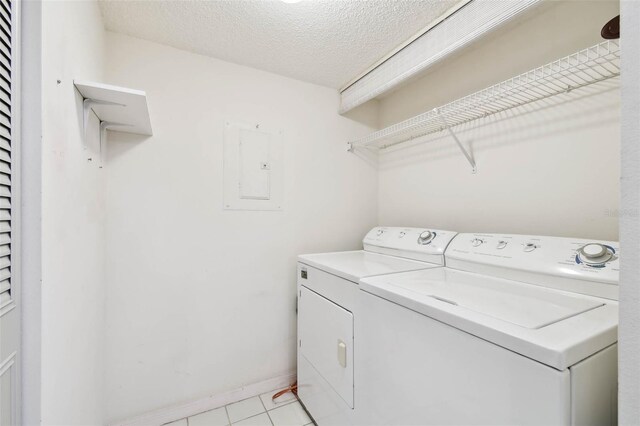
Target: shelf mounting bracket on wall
{"x": 455, "y": 138}
{"x": 104, "y": 126}
{"x": 351, "y": 147}
{"x": 118, "y": 109}
{"x": 87, "y": 106}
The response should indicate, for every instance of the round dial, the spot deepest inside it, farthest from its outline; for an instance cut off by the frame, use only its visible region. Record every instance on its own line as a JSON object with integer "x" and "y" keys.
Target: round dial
{"x": 594, "y": 254}
{"x": 476, "y": 242}
{"x": 426, "y": 237}
{"x": 501, "y": 244}
{"x": 380, "y": 232}
{"x": 530, "y": 247}
{"x": 592, "y": 251}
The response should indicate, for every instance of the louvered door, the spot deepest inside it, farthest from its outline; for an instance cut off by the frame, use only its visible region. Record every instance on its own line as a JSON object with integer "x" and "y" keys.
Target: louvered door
{"x": 5, "y": 150}
{"x": 9, "y": 295}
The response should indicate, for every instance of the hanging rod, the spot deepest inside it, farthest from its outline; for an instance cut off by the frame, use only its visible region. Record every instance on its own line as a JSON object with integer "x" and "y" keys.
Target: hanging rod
{"x": 592, "y": 65}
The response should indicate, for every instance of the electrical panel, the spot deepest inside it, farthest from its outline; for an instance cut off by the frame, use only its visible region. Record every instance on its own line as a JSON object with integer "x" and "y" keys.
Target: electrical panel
{"x": 252, "y": 167}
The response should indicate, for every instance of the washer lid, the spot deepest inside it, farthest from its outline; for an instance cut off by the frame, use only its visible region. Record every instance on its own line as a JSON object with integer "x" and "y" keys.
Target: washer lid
{"x": 554, "y": 327}
{"x": 526, "y": 306}
{"x": 354, "y": 265}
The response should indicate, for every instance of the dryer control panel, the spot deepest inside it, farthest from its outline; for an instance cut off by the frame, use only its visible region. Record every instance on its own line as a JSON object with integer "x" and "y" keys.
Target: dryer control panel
{"x": 411, "y": 243}
{"x": 539, "y": 260}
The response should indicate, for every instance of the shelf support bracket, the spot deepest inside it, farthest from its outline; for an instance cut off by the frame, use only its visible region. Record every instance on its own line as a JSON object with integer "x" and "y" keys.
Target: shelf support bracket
{"x": 351, "y": 147}
{"x": 87, "y": 105}
{"x": 455, "y": 138}
{"x": 104, "y": 126}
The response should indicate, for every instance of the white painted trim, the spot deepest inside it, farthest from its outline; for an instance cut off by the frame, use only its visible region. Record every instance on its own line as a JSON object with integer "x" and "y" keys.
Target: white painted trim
{"x": 177, "y": 412}
{"x": 474, "y": 20}
{"x": 30, "y": 304}
{"x": 629, "y": 326}
{"x": 411, "y": 39}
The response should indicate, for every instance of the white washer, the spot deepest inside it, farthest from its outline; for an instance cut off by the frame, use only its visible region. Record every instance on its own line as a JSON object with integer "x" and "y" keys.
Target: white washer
{"x": 515, "y": 330}
{"x": 327, "y": 291}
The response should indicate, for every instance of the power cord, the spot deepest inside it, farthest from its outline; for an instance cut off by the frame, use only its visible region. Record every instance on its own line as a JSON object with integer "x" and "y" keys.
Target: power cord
{"x": 293, "y": 389}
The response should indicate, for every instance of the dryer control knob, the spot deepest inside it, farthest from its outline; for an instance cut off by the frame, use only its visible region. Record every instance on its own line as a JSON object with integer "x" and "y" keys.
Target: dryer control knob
{"x": 426, "y": 237}
{"x": 476, "y": 242}
{"x": 530, "y": 247}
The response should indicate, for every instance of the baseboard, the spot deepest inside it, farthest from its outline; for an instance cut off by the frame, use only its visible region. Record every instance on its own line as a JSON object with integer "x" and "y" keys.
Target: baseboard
{"x": 177, "y": 412}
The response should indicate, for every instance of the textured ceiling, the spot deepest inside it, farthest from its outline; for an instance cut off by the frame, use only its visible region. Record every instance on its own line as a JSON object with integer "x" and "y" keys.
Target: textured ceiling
{"x": 319, "y": 41}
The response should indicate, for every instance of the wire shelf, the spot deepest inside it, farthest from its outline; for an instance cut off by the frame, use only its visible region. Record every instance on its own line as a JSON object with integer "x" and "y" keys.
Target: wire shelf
{"x": 595, "y": 64}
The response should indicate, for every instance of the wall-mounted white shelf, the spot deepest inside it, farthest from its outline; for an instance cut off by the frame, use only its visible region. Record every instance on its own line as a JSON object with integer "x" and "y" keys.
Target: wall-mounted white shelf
{"x": 125, "y": 108}
{"x": 597, "y": 63}
{"x": 119, "y": 109}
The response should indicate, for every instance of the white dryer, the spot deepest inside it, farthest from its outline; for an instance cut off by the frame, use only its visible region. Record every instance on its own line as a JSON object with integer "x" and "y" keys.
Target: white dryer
{"x": 327, "y": 291}
{"x": 515, "y": 330}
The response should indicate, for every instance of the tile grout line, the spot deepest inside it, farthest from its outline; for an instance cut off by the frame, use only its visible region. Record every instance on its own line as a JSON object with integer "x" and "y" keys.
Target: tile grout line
{"x": 246, "y": 399}
{"x": 292, "y": 402}
{"x": 256, "y": 415}
{"x": 282, "y": 405}
{"x": 263, "y": 406}
{"x": 227, "y": 413}
{"x": 265, "y": 410}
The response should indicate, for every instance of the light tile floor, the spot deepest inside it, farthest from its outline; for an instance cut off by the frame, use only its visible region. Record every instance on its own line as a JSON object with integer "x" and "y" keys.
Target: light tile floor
{"x": 256, "y": 411}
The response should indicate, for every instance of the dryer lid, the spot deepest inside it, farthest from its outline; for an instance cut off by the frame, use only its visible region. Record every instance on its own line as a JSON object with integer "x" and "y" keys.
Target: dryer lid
{"x": 354, "y": 265}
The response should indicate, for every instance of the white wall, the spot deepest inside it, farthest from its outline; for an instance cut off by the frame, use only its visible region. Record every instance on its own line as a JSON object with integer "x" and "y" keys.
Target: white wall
{"x": 549, "y": 169}
{"x": 629, "y": 354}
{"x": 202, "y": 300}
{"x": 73, "y": 213}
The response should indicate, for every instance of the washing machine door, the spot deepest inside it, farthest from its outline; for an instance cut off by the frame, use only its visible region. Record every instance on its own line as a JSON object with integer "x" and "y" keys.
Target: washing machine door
{"x": 325, "y": 332}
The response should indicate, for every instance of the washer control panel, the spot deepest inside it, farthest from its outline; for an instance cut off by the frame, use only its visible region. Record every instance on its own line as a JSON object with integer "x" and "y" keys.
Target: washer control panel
{"x": 572, "y": 258}
{"x": 412, "y": 243}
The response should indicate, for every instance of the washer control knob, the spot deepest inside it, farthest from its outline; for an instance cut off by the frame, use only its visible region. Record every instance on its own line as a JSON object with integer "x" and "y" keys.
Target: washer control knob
{"x": 593, "y": 251}
{"x": 402, "y": 234}
{"x": 476, "y": 242}
{"x": 530, "y": 247}
{"x": 594, "y": 254}
{"x": 426, "y": 237}
{"x": 501, "y": 244}
{"x": 380, "y": 232}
